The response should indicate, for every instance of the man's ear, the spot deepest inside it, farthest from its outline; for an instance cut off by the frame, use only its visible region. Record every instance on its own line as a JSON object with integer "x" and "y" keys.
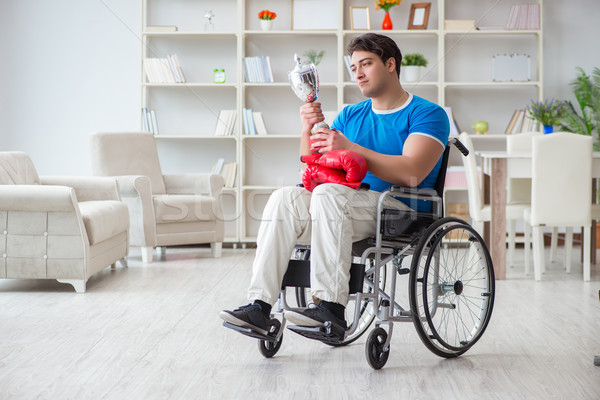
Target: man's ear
{"x": 390, "y": 64}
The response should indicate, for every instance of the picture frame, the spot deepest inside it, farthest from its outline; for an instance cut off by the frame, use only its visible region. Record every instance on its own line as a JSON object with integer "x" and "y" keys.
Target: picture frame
{"x": 359, "y": 19}
{"x": 304, "y": 16}
{"x": 419, "y": 15}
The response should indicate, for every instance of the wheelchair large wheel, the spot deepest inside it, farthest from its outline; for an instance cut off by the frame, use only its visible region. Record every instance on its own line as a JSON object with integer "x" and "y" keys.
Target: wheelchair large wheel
{"x": 367, "y": 312}
{"x": 451, "y": 287}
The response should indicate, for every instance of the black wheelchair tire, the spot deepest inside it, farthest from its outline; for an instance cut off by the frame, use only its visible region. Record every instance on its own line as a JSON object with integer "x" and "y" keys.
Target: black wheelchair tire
{"x": 434, "y": 338}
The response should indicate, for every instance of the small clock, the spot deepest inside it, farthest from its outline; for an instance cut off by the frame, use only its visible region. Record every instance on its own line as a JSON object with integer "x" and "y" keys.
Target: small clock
{"x": 219, "y": 75}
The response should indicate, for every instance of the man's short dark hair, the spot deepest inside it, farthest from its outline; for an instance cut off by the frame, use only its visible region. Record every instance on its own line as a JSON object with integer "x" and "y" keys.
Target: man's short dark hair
{"x": 381, "y": 45}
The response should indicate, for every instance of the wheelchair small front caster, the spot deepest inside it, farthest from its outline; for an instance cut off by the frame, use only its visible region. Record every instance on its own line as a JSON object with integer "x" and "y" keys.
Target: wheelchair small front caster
{"x": 377, "y": 356}
{"x": 268, "y": 348}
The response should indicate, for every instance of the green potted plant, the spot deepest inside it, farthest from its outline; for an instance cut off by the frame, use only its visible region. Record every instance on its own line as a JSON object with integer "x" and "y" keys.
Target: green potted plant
{"x": 412, "y": 64}
{"x": 313, "y": 56}
{"x": 548, "y": 113}
{"x": 587, "y": 93}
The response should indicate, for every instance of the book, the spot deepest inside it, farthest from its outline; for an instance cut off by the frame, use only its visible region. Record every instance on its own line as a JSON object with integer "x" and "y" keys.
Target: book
{"x": 225, "y": 123}
{"x": 519, "y": 123}
{"x": 459, "y": 24}
{"x": 259, "y": 123}
{"x": 512, "y": 122}
{"x": 145, "y": 124}
{"x": 161, "y": 29}
{"x": 153, "y": 123}
{"x": 228, "y": 172}
{"x": 218, "y": 167}
{"x": 258, "y": 69}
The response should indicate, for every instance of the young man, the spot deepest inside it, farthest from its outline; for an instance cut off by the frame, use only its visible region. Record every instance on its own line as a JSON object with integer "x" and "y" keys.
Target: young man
{"x": 402, "y": 138}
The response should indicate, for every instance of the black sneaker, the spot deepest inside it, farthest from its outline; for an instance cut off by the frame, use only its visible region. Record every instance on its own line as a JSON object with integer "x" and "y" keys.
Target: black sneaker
{"x": 314, "y": 316}
{"x": 248, "y": 316}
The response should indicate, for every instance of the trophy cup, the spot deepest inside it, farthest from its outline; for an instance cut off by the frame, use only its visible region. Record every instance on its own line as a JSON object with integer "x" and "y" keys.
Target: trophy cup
{"x": 305, "y": 83}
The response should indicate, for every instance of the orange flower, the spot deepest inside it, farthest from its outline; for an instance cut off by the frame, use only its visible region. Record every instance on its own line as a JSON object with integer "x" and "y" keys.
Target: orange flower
{"x": 266, "y": 14}
{"x": 386, "y": 4}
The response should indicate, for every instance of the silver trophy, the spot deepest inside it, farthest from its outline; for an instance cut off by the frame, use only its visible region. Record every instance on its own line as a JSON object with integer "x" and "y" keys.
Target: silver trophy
{"x": 305, "y": 83}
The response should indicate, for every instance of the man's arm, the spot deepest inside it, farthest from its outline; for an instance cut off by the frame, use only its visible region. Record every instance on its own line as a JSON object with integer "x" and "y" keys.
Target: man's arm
{"x": 420, "y": 155}
{"x": 310, "y": 114}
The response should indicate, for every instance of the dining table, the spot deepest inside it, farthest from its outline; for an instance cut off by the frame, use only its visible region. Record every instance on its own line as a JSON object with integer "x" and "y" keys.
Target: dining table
{"x": 497, "y": 167}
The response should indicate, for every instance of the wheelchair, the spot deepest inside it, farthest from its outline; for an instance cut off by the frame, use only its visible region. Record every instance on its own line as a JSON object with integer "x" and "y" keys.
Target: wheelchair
{"x": 450, "y": 282}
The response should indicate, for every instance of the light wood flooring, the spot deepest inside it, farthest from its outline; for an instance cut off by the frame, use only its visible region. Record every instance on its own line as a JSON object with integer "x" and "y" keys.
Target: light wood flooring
{"x": 153, "y": 332}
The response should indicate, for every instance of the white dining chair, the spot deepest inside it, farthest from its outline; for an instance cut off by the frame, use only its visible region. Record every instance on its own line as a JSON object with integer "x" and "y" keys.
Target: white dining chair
{"x": 560, "y": 194}
{"x": 518, "y": 190}
{"x": 478, "y": 211}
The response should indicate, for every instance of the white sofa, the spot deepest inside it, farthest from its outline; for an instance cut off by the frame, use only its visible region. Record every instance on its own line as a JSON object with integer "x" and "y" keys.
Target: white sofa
{"x": 63, "y": 228}
{"x": 165, "y": 210}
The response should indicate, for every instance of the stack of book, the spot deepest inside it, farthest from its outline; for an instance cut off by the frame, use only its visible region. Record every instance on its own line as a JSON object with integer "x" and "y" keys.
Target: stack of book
{"x": 226, "y": 123}
{"x": 254, "y": 123}
{"x": 164, "y": 70}
{"x": 149, "y": 121}
{"x": 459, "y": 24}
{"x": 227, "y": 170}
{"x": 524, "y": 17}
{"x": 258, "y": 69}
{"x": 521, "y": 121}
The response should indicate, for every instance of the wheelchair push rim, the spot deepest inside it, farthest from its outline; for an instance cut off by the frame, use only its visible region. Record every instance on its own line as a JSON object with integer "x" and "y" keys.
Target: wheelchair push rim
{"x": 452, "y": 287}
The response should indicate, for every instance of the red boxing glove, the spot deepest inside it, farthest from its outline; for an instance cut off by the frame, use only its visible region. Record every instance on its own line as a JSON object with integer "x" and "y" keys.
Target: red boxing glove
{"x": 353, "y": 163}
{"x": 339, "y": 166}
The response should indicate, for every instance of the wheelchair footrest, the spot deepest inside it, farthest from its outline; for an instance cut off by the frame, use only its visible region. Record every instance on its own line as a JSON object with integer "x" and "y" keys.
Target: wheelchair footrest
{"x": 253, "y": 334}
{"x": 328, "y": 333}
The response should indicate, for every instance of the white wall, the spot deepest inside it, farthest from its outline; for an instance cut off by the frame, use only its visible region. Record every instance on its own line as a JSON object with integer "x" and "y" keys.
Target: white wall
{"x": 70, "y": 67}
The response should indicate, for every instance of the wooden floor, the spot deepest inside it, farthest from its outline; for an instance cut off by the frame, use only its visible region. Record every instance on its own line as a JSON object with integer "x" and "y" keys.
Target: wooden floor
{"x": 153, "y": 332}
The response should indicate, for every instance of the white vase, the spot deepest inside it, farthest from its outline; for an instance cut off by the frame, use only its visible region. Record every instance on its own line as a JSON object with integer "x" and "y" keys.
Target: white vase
{"x": 266, "y": 24}
{"x": 412, "y": 73}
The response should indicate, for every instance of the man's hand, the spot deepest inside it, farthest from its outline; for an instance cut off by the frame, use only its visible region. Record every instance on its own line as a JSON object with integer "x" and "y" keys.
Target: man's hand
{"x": 325, "y": 140}
{"x": 310, "y": 114}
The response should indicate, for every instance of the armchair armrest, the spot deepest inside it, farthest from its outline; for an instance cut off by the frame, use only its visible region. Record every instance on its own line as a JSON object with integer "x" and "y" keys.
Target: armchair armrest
{"x": 37, "y": 198}
{"x": 207, "y": 184}
{"x": 136, "y": 192}
{"x": 86, "y": 187}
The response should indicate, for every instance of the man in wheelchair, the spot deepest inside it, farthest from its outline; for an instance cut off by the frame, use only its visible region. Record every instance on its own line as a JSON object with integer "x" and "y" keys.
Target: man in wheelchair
{"x": 402, "y": 138}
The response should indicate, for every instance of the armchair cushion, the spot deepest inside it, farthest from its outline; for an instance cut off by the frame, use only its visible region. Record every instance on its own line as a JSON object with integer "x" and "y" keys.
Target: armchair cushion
{"x": 104, "y": 219}
{"x": 16, "y": 168}
{"x": 184, "y": 208}
{"x": 112, "y": 155}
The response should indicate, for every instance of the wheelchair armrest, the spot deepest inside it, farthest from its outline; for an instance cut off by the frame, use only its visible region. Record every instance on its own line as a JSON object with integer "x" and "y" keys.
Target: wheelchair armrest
{"x": 414, "y": 193}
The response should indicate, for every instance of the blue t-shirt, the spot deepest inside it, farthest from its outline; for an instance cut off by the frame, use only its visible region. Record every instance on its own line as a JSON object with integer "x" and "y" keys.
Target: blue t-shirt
{"x": 385, "y": 131}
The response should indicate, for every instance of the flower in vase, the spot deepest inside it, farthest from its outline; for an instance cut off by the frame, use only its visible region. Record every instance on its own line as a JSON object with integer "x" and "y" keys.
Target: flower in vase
{"x": 548, "y": 113}
{"x": 385, "y": 5}
{"x": 267, "y": 15}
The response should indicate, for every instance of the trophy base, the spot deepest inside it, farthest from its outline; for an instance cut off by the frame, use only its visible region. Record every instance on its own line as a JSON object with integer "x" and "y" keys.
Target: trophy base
{"x": 318, "y": 125}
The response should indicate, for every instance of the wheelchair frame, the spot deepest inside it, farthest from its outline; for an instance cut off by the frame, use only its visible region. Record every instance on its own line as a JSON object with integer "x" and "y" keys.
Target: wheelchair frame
{"x": 438, "y": 292}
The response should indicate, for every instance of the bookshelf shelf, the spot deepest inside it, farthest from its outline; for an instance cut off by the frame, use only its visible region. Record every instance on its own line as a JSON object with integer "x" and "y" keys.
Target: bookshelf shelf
{"x": 459, "y": 76}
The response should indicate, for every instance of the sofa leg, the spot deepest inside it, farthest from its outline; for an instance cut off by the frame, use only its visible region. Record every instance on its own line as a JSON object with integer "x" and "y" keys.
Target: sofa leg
{"x": 161, "y": 253}
{"x": 216, "y": 248}
{"x": 124, "y": 262}
{"x": 113, "y": 265}
{"x": 147, "y": 254}
{"x": 78, "y": 284}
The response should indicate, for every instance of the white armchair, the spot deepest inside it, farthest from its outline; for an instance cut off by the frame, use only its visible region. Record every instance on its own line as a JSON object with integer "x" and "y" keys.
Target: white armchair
{"x": 165, "y": 210}
{"x": 63, "y": 228}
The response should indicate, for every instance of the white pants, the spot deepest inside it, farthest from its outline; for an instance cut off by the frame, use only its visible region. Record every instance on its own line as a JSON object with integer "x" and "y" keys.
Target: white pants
{"x": 329, "y": 219}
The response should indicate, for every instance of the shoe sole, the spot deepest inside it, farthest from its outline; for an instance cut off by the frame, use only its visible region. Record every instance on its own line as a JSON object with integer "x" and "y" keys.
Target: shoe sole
{"x": 299, "y": 319}
{"x": 225, "y": 316}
